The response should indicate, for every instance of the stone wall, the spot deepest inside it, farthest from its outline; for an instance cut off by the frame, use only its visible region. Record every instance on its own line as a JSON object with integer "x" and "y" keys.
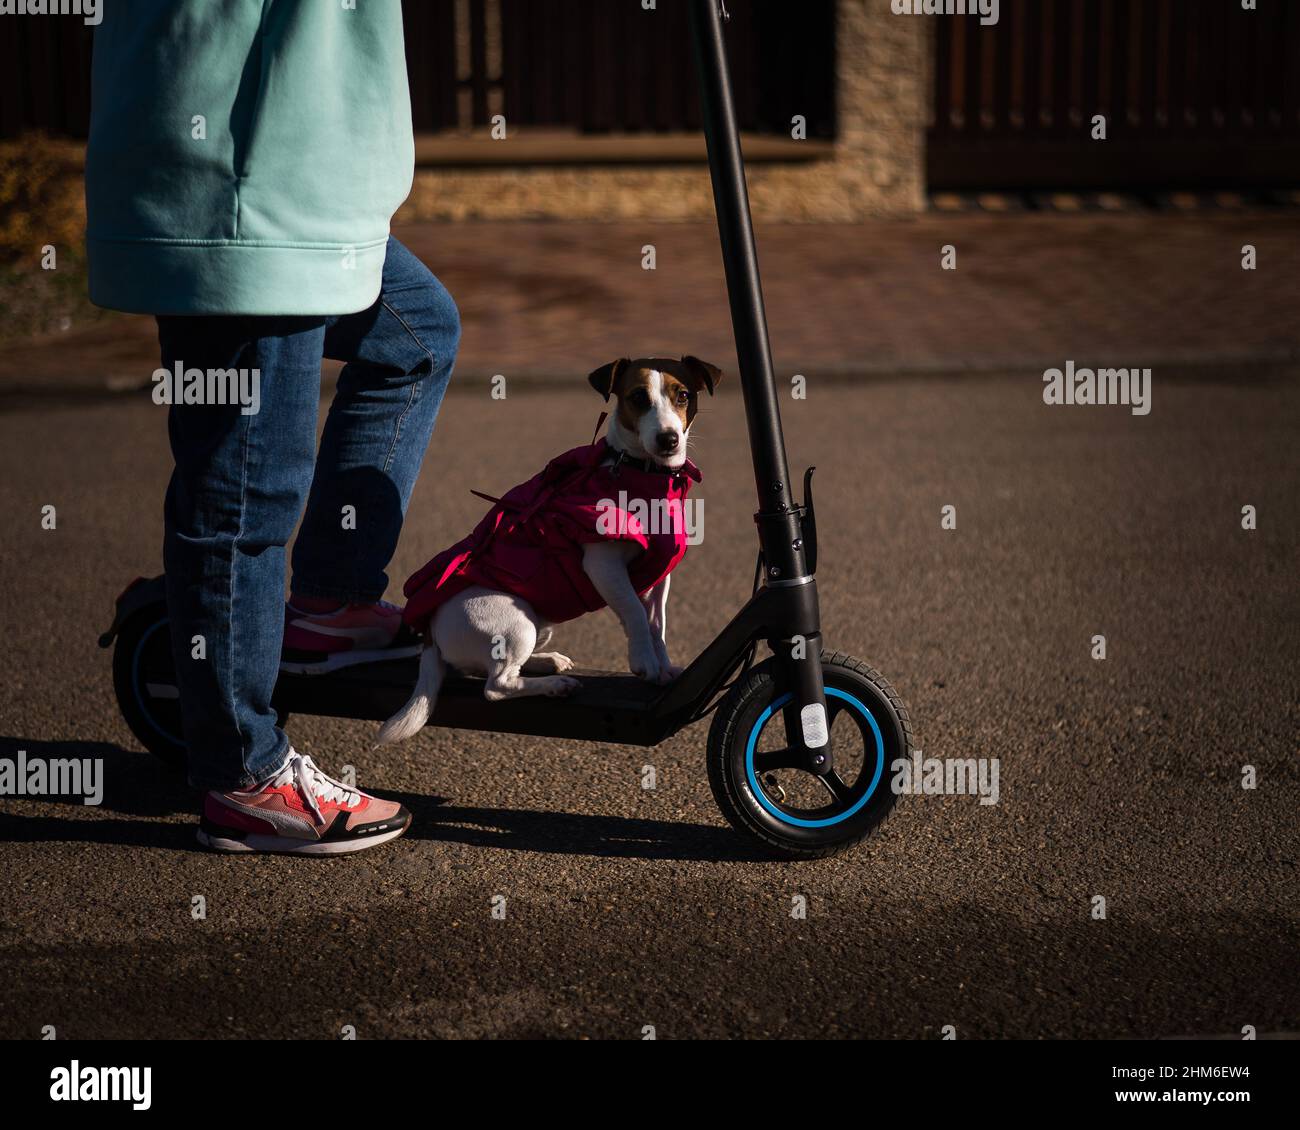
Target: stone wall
{"x": 878, "y": 166}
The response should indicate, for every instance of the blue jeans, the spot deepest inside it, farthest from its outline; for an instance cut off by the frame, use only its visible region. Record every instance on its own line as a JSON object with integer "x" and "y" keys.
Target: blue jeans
{"x": 241, "y": 481}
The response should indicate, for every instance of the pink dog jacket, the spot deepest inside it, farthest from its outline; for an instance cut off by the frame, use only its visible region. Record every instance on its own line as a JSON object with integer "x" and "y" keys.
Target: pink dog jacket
{"x": 530, "y": 543}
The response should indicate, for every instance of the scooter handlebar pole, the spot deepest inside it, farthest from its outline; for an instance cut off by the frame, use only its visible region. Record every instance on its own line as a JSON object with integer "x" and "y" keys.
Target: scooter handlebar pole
{"x": 778, "y": 520}
{"x": 779, "y": 523}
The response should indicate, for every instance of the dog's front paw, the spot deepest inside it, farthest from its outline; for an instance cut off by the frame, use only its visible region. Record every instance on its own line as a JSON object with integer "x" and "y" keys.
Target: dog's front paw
{"x": 645, "y": 663}
{"x": 560, "y": 685}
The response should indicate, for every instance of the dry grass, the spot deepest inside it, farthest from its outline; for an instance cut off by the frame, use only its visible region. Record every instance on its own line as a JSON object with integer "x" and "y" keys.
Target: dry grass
{"x": 41, "y": 199}
{"x": 42, "y": 205}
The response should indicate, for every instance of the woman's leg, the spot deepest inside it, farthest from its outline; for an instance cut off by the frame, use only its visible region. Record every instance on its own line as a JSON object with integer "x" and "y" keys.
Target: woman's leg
{"x": 399, "y": 356}
{"x": 235, "y": 495}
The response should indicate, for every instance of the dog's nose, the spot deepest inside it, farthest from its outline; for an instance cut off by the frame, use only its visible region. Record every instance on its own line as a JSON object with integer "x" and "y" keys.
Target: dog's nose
{"x": 668, "y": 441}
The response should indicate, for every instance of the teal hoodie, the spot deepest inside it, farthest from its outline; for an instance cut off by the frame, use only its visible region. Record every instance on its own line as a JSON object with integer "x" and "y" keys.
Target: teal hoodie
{"x": 245, "y": 156}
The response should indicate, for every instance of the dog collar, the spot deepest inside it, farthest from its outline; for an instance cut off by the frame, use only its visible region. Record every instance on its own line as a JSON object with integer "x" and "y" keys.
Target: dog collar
{"x": 621, "y": 459}
{"x": 649, "y": 466}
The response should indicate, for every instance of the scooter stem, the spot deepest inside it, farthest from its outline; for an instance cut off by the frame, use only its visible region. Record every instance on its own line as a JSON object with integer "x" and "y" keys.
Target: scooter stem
{"x": 777, "y": 517}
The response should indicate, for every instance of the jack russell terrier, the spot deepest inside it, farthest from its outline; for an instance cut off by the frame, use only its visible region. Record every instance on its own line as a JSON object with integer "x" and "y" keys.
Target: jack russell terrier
{"x": 558, "y": 546}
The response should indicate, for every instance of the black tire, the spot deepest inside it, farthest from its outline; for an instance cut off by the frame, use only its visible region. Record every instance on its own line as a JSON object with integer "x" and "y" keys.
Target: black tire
{"x": 142, "y": 659}
{"x": 144, "y": 681}
{"x": 793, "y": 831}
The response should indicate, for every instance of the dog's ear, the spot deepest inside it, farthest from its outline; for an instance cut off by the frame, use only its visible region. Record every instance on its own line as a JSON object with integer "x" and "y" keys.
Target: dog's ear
{"x": 602, "y": 380}
{"x": 701, "y": 373}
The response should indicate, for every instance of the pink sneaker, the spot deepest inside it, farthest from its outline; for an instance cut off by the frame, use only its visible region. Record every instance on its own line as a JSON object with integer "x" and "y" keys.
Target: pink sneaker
{"x": 317, "y": 641}
{"x": 299, "y": 811}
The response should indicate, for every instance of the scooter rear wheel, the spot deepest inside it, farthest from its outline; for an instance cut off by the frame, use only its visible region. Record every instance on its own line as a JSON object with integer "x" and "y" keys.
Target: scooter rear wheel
{"x": 144, "y": 680}
{"x": 771, "y": 795}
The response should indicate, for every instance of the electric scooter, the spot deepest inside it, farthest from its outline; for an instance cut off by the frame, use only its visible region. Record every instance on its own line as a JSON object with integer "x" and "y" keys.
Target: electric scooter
{"x": 800, "y": 786}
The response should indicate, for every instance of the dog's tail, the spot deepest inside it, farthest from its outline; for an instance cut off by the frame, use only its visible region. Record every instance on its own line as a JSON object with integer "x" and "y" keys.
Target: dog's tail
{"x": 413, "y": 716}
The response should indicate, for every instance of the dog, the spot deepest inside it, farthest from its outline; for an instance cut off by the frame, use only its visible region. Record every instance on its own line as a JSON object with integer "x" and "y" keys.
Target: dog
{"x": 548, "y": 551}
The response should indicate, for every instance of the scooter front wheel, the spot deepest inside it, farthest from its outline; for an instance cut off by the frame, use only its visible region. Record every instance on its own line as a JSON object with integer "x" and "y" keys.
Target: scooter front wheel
{"x": 763, "y": 783}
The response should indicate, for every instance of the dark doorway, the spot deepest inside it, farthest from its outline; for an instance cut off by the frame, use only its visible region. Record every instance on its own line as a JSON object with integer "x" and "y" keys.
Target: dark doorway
{"x": 591, "y": 66}
{"x": 613, "y": 66}
{"x": 1196, "y": 93}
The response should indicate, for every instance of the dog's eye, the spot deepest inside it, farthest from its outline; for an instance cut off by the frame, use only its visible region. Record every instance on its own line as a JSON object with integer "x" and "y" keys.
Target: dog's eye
{"x": 640, "y": 398}
{"x": 683, "y": 397}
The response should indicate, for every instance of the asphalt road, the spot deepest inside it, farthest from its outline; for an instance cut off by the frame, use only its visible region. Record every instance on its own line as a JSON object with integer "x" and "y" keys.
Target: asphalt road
{"x": 628, "y": 907}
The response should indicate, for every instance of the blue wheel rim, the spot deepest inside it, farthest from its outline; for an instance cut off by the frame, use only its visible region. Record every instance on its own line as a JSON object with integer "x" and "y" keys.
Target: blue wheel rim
{"x": 828, "y": 821}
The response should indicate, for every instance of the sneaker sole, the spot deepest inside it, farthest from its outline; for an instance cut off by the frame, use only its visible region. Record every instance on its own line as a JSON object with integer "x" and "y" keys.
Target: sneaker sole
{"x": 283, "y": 845}
{"x": 343, "y": 659}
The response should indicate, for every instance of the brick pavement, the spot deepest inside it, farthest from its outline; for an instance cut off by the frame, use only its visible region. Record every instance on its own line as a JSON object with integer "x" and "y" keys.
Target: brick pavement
{"x": 550, "y": 299}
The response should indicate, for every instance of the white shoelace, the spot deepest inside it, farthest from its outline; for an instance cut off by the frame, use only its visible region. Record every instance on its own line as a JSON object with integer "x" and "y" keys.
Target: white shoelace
{"x": 311, "y": 782}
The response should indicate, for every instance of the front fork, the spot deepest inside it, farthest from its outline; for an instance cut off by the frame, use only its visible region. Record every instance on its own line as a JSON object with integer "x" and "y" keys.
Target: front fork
{"x": 798, "y": 650}
{"x": 807, "y": 727}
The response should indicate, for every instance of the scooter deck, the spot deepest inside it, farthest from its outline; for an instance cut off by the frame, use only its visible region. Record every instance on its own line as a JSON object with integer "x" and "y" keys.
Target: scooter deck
{"x": 607, "y": 707}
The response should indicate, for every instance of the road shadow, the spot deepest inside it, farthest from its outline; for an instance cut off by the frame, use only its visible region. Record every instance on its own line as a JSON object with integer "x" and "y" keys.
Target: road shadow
{"x": 15, "y": 828}
{"x": 139, "y": 789}
{"x": 135, "y": 783}
{"x": 893, "y": 969}
{"x": 573, "y": 834}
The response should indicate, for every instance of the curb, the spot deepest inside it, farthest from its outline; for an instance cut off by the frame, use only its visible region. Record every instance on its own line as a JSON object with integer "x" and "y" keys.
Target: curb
{"x": 1192, "y": 366}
